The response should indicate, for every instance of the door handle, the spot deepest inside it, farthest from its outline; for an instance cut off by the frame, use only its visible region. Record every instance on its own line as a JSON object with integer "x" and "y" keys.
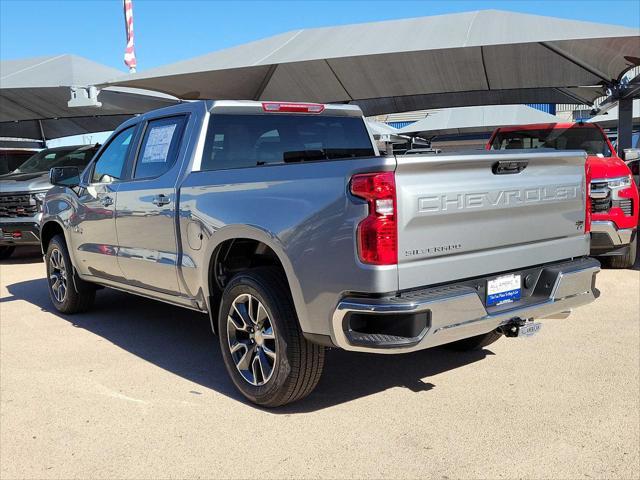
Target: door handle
{"x": 160, "y": 200}
{"x": 106, "y": 201}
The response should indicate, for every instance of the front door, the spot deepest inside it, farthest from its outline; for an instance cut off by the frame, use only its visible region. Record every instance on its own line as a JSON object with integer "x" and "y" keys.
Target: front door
{"x": 146, "y": 209}
{"x": 93, "y": 227}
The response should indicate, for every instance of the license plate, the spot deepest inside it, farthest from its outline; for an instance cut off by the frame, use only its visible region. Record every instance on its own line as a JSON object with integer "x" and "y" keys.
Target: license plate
{"x": 504, "y": 289}
{"x": 529, "y": 329}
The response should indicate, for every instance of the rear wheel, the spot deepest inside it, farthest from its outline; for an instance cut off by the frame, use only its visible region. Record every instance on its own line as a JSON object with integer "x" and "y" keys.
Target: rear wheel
{"x": 623, "y": 261}
{"x": 269, "y": 360}
{"x": 66, "y": 295}
{"x": 6, "y": 252}
{"x": 475, "y": 343}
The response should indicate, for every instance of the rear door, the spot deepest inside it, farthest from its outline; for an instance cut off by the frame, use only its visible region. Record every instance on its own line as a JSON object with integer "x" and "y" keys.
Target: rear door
{"x": 146, "y": 208}
{"x": 466, "y": 215}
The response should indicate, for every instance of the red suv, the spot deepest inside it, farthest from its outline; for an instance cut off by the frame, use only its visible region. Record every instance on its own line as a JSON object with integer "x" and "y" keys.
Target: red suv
{"x": 613, "y": 195}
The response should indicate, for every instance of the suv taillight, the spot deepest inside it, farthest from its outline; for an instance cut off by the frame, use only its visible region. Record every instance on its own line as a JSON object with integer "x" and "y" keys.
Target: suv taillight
{"x": 377, "y": 234}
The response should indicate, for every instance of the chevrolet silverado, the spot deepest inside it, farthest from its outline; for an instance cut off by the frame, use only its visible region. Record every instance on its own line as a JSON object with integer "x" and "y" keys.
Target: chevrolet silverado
{"x": 22, "y": 192}
{"x": 285, "y": 225}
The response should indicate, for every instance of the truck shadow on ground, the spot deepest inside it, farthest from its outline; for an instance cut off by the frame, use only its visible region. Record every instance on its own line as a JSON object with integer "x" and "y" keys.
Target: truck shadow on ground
{"x": 180, "y": 341}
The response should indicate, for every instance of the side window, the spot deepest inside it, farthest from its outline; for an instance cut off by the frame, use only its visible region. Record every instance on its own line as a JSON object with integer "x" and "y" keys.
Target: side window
{"x": 110, "y": 165}
{"x": 159, "y": 147}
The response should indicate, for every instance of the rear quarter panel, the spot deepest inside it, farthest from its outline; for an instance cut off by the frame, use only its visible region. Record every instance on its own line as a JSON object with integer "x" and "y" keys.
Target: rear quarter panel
{"x": 302, "y": 211}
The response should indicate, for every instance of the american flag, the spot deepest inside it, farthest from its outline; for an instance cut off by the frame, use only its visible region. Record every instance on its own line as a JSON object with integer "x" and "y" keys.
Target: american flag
{"x": 129, "y": 52}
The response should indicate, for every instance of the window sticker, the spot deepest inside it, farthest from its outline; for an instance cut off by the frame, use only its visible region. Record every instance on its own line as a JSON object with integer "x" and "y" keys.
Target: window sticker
{"x": 156, "y": 149}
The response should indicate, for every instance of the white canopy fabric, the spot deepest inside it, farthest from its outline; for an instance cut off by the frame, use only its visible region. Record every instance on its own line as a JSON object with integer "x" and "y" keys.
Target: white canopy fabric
{"x": 610, "y": 119}
{"x": 383, "y": 132}
{"x": 469, "y": 120}
{"x": 380, "y": 128}
{"x": 34, "y": 93}
{"x": 473, "y": 58}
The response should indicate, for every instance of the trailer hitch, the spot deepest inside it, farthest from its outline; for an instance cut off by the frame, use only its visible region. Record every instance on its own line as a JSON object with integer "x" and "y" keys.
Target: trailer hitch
{"x": 519, "y": 327}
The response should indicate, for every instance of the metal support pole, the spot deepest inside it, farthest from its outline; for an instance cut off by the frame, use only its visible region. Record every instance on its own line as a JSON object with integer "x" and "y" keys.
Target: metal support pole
{"x": 625, "y": 124}
{"x": 42, "y": 136}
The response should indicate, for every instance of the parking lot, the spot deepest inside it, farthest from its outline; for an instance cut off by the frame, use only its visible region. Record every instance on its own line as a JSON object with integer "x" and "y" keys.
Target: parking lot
{"x": 137, "y": 388}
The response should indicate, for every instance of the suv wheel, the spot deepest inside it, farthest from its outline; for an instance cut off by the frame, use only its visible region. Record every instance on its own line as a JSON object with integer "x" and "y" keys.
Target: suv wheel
{"x": 623, "y": 261}
{"x": 62, "y": 288}
{"x": 6, "y": 252}
{"x": 269, "y": 360}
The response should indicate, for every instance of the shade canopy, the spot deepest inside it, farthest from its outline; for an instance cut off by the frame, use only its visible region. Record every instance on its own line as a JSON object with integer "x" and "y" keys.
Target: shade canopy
{"x": 34, "y": 93}
{"x": 610, "y": 119}
{"x": 473, "y": 58}
{"x": 380, "y": 128}
{"x": 469, "y": 120}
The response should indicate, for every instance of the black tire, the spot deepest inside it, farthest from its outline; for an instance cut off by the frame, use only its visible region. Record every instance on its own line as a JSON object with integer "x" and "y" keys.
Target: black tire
{"x": 475, "y": 343}
{"x": 78, "y": 295}
{"x": 298, "y": 363}
{"x": 6, "y": 252}
{"x": 623, "y": 261}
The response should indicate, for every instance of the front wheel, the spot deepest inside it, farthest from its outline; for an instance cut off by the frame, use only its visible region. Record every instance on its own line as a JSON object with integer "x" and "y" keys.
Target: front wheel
{"x": 62, "y": 290}
{"x": 6, "y": 252}
{"x": 267, "y": 357}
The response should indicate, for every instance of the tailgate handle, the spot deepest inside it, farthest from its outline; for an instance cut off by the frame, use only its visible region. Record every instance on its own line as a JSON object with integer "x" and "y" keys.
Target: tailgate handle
{"x": 508, "y": 167}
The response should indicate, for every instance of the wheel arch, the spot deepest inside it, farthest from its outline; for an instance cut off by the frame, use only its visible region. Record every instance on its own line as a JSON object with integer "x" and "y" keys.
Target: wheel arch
{"x": 48, "y": 230}
{"x": 233, "y": 233}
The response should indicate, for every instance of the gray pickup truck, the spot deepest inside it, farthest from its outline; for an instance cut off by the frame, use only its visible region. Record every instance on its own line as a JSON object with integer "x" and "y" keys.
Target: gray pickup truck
{"x": 22, "y": 192}
{"x": 282, "y": 222}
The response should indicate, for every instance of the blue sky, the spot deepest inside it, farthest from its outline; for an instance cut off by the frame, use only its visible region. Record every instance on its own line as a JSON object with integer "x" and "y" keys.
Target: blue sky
{"x": 171, "y": 30}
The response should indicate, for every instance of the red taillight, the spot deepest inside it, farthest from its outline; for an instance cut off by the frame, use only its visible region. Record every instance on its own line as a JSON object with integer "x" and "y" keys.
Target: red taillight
{"x": 587, "y": 213}
{"x": 292, "y": 107}
{"x": 377, "y": 235}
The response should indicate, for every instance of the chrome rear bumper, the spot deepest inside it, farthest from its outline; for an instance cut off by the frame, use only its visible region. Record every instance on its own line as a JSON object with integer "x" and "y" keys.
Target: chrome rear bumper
{"x": 456, "y": 312}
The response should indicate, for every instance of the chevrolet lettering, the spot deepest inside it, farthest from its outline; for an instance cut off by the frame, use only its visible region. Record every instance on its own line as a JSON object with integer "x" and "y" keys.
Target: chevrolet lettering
{"x": 498, "y": 198}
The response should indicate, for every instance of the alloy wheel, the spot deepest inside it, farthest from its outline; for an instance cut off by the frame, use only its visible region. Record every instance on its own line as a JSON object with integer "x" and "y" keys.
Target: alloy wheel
{"x": 57, "y": 275}
{"x": 251, "y": 339}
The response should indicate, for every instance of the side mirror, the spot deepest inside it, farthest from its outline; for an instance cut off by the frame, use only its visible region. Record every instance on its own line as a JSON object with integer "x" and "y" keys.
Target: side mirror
{"x": 631, "y": 154}
{"x": 65, "y": 176}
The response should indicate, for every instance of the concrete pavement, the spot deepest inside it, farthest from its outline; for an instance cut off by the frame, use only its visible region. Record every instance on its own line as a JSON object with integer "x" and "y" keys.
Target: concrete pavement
{"x": 137, "y": 389}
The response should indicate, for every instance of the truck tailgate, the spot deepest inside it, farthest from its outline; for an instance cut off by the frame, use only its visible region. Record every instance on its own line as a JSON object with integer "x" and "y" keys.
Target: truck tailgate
{"x": 469, "y": 214}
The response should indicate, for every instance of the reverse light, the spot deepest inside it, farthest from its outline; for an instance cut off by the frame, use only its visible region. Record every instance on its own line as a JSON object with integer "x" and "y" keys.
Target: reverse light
{"x": 292, "y": 107}
{"x": 377, "y": 234}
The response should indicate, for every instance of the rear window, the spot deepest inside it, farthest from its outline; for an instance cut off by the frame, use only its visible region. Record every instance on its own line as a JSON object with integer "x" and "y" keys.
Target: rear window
{"x": 240, "y": 141}
{"x": 588, "y": 139}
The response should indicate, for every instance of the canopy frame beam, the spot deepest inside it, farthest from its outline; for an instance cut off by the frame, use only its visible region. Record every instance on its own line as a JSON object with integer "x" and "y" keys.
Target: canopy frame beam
{"x": 577, "y": 98}
{"x": 42, "y": 135}
{"x": 265, "y": 82}
{"x": 575, "y": 61}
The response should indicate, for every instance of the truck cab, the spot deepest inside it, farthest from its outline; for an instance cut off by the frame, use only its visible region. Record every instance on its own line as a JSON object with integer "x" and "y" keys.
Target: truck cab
{"x": 613, "y": 194}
